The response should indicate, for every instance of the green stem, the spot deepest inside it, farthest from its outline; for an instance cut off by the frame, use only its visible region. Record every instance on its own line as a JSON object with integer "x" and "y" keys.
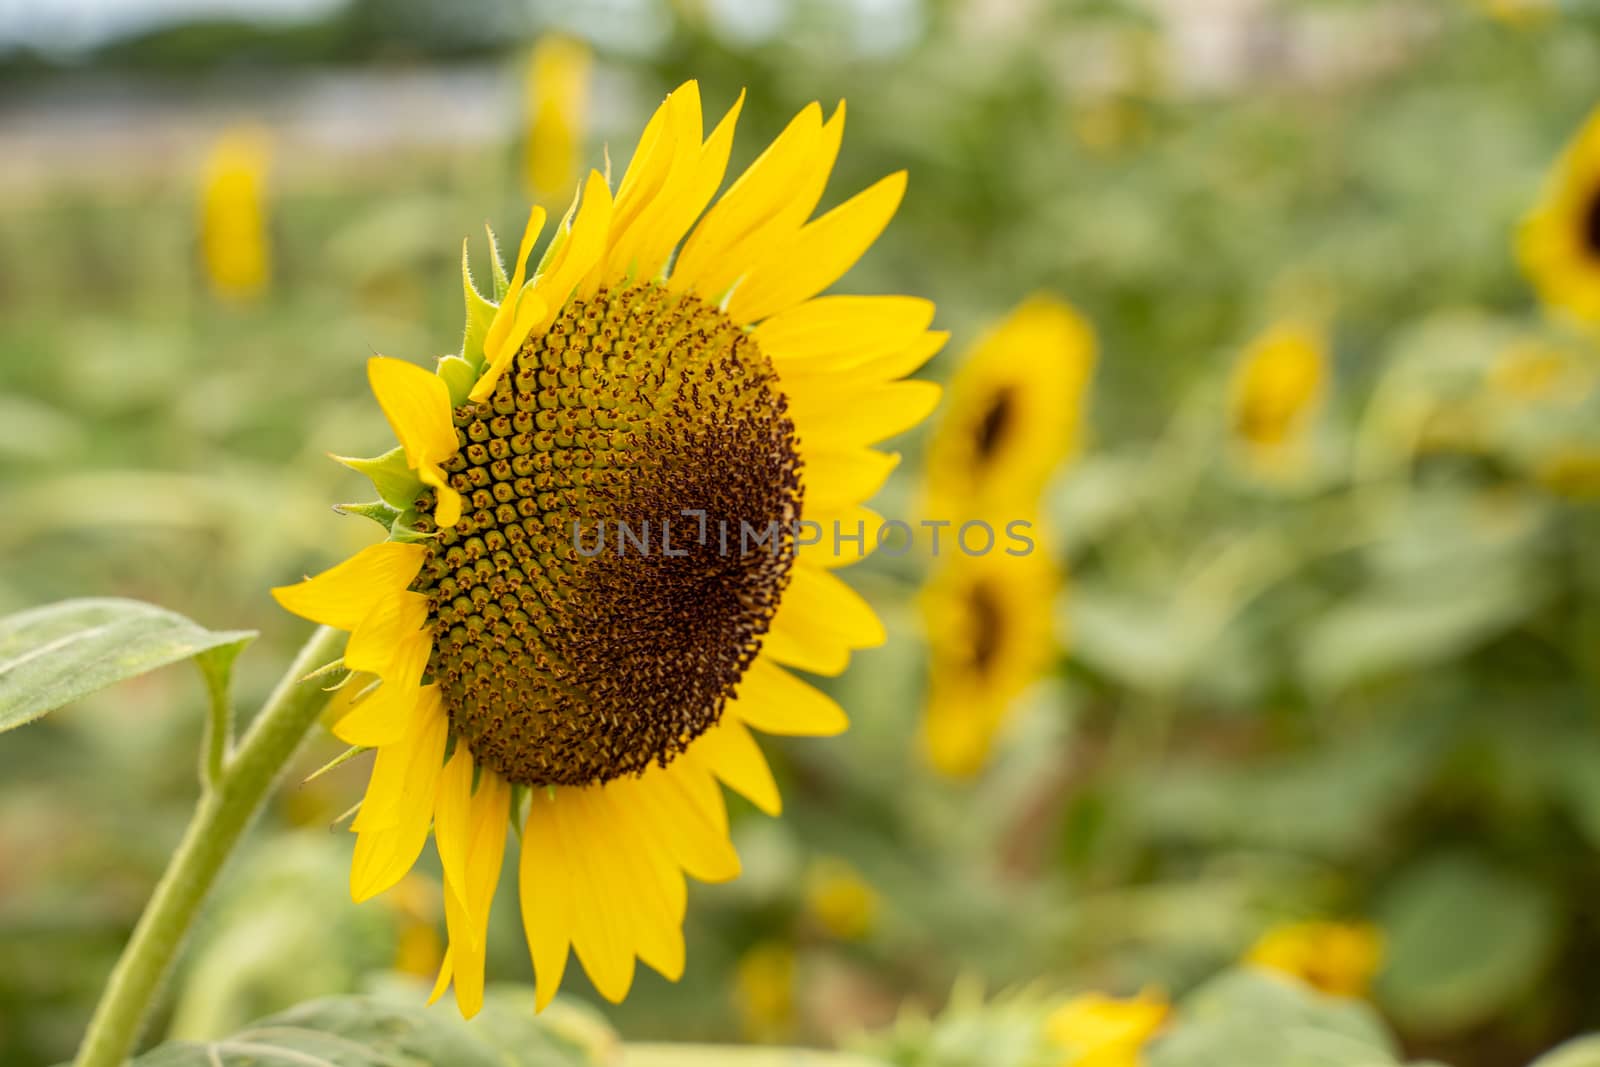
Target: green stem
{"x": 219, "y": 819}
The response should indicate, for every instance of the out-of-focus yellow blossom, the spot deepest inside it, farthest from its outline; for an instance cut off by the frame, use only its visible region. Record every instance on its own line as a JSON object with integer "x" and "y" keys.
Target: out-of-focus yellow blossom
{"x": 418, "y": 948}
{"x": 991, "y": 635}
{"x": 1519, "y": 13}
{"x": 557, "y": 108}
{"x": 1094, "y": 1030}
{"x": 1560, "y": 240}
{"x": 1336, "y": 958}
{"x": 1572, "y": 471}
{"x": 1014, "y": 412}
{"x": 1277, "y": 390}
{"x": 763, "y": 988}
{"x": 234, "y": 247}
{"x": 840, "y": 900}
{"x": 1537, "y": 372}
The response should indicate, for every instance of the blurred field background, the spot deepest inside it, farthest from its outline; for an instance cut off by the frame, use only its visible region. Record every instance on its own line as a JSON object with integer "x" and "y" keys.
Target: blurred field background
{"x": 1343, "y": 670}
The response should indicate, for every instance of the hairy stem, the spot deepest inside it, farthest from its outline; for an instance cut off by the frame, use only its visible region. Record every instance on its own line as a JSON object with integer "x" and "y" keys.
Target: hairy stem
{"x": 220, "y": 818}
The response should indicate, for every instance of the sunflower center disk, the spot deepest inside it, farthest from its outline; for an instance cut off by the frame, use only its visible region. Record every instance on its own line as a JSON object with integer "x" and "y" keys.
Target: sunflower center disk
{"x": 570, "y": 655}
{"x": 1591, "y": 225}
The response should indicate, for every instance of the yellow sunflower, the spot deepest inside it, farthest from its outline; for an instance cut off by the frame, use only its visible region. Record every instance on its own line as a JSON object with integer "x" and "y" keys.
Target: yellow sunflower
{"x": 519, "y": 671}
{"x": 990, "y": 637}
{"x": 1560, "y": 240}
{"x": 235, "y": 248}
{"x": 1015, "y": 411}
{"x": 556, "y": 88}
{"x": 1095, "y": 1030}
{"x": 1336, "y": 958}
{"x": 1277, "y": 390}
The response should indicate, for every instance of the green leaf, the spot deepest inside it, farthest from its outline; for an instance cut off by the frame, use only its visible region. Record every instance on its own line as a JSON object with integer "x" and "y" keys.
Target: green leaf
{"x": 396, "y": 482}
{"x": 365, "y": 1031}
{"x": 1580, "y": 1052}
{"x": 1464, "y": 940}
{"x": 53, "y": 655}
{"x": 1251, "y": 1017}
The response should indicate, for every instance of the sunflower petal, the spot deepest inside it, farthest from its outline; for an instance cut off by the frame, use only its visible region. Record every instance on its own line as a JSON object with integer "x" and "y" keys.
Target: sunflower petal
{"x": 343, "y": 595}
{"x": 819, "y": 254}
{"x": 417, "y": 404}
{"x": 774, "y": 701}
{"x": 736, "y": 758}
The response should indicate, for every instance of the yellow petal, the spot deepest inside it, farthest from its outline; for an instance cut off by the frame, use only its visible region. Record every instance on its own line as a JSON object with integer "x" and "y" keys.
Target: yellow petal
{"x": 390, "y": 713}
{"x": 776, "y": 702}
{"x": 600, "y": 929}
{"x": 819, "y": 254}
{"x": 471, "y": 876}
{"x": 699, "y": 184}
{"x": 343, "y": 595}
{"x": 505, "y": 315}
{"x": 843, "y": 535}
{"x": 545, "y": 890}
{"x": 417, "y": 404}
{"x": 819, "y": 621}
{"x": 736, "y": 758}
{"x": 810, "y": 384}
{"x": 833, "y": 332}
{"x": 375, "y": 644}
{"x": 863, "y": 416}
{"x": 840, "y": 477}
{"x": 665, "y": 797}
{"x": 763, "y": 191}
{"x": 405, "y": 782}
{"x": 388, "y": 786}
{"x": 656, "y": 934}
{"x": 452, "y": 820}
{"x": 447, "y": 511}
{"x": 665, "y": 158}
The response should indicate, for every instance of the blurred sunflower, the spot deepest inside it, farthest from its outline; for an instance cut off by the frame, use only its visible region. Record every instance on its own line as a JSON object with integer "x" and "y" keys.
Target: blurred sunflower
{"x": 595, "y": 699}
{"x": 557, "y": 106}
{"x": 990, "y": 637}
{"x": 1276, "y": 391}
{"x": 1336, "y": 958}
{"x": 1095, "y": 1030}
{"x": 1015, "y": 411}
{"x": 1560, "y": 240}
{"x": 234, "y": 246}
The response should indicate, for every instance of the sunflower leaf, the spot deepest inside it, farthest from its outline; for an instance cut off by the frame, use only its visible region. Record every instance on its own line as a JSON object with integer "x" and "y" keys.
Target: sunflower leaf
{"x": 53, "y": 655}
{"x": 497, "y": 268}
{"x": 390, "y": 475}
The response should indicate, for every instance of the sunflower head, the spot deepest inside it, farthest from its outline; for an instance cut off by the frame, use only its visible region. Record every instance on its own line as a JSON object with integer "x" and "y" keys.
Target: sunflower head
{"x": 594, "y": 583}
{"x": 1560, "y": 240}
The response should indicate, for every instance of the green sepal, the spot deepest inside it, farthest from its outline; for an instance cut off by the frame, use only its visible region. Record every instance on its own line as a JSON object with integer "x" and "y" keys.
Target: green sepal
{"x": 405, "y": 531}
{"x": 379, "y": 512}
{"x": 394, "y": 480}
{"x": 338, "y": 761}
{"x": 480, "y": 312}
{"x": 497, "y": 269}
{"x": 459, "y": 376}
{"x": 560, "y": 236}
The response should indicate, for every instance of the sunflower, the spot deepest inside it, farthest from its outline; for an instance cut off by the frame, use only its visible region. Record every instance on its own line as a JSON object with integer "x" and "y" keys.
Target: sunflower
{"x": 1095, "y": 1030}
{"x": 1015, "y": 411}
{"x": 1276, "y": 392}
{"x": 1560, "y": 240}
{"x": 234, "y": 246}
{"x": 513, "y": 675}
{"x": 1015, "y": 415}
{"x": 556, "y": 88}
{"x": 991, "y": 636}
{"x": 1333, "y": 957}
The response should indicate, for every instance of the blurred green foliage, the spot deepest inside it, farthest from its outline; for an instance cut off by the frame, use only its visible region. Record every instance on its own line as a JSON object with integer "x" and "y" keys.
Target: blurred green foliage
{"x": 1369, "y": 693}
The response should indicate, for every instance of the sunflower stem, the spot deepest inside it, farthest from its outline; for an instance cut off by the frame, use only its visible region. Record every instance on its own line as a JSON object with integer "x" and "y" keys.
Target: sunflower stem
{"x": 220, "y": 818}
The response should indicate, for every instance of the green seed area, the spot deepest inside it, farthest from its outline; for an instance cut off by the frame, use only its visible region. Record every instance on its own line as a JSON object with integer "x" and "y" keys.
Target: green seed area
{"x": 561, "y": 667}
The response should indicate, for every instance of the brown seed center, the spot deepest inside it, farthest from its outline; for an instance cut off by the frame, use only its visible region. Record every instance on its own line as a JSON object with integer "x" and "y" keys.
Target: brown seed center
{"x": 575, "y": 655}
